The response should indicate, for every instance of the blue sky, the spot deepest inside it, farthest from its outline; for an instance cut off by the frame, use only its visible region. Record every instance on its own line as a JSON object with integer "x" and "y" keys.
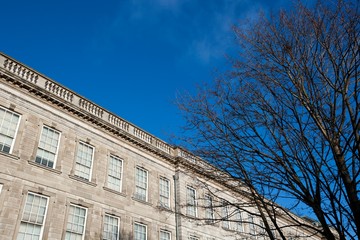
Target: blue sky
{"x": 131, "y": 57}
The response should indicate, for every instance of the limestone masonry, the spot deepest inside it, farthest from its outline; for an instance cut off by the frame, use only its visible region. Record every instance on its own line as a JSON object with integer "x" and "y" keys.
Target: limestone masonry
{"x": 70, "y": 169}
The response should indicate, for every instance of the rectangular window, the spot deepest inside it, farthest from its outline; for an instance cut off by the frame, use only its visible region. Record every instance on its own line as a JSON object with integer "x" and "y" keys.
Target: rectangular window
{"x": 84, "y": 159}
{"x": 140, "y": 231}
{"x": 164, "y": 190}
{"x": 115, "y": 168}
{"x": 191, "y": 202}
{"x": 48, "y": 147}
{"x": 225, "y": 216}
{"x": 141, "y": 180}
{"x": 165, "y": 235}
{"x": 111, "y": 228}
{"x": 33, "y": 217}
{"x": 9, "y": 123}
{"x": 193, "y": 238}
{"x": 252, "y": 225}
{"x": 209, "y": 210}
{"x": 75, "y": 227}
{"x": 239, "y": 226}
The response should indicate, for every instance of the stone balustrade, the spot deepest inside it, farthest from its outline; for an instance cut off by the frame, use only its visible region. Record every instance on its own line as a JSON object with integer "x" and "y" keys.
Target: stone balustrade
{"x": 40, "y": 81}
{"x": 186, "y": 155}
{"x": 59, "y": 91}
{"x": 20, "y": 70}
{"x": 163, "y": 146}
{"x": 142, "y": 135}
{"x": 91, "y": 108}
{"x": 119, "y": 122}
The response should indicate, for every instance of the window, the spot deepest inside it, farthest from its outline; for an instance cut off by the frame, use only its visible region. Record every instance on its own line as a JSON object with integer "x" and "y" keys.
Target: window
{"x": 115, "y": 168}
{"x": 209, "y": 210}
{"x": 33, "y": 217}
{"x": 251, "y": 224}
{"x": 191, "y": 202}
{"x": 140, "y": 232}
{"x": 9, "y": 122}
{"x": 164, "y": 235}
{"x": 48, "y": 147}
{"x": 238, "y": 222}
{"x": 164, "y": 190}
{"x": 75, "y": 227}
{"x": 193, "y": 238}
{"x": 225, "y": 216}
{"x": 84, "y": 158}
{"x": 111, "y": 228}
{"x": 141, "y": 176}
{"x": 1, "y": 186}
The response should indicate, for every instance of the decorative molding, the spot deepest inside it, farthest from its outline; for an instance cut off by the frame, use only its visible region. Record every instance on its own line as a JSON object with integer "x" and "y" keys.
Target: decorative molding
{"x": 40, "y": 85}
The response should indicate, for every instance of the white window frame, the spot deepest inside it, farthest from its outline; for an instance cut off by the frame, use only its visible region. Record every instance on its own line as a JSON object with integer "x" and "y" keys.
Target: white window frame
{"x": 209, "y": 208}
{"x": 193, "y": 238}
{"x": 191, "y": 203}
{"x": 142, "y": 225}
{"x": 77, "y": 163}
{"x": 57, "y": 146}
{"x": 138, "y": 195}
{"x": 165, "y": 232}
{"x": 15, "y": 131}
{"x": 252, "y": 228}
{"x": 104, "y": 227}
{"x": 225, "y": 215}
{"x": 68, "y": 221}
{"x": 31, "y": 214}
{"x": 119, "y": 188}
{"x": 164, "y": 195}
{"x": 239, "y": 223}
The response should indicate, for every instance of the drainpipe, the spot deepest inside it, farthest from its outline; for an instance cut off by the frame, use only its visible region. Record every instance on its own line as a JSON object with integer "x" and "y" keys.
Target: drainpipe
{"x": 176, "y": 178}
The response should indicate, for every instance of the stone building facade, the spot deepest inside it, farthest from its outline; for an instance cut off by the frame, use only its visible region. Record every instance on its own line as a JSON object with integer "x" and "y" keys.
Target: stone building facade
{"x": 73, "y": 170}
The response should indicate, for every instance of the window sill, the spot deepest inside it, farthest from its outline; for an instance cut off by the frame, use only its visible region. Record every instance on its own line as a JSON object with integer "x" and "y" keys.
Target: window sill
{"x": 44, "y": 167}
{"x": 9, "y": 155}
{"x": 82, "y": 180}
{"x": 141, "y": 201}
{"x": 114, "y": 191}
{"x": 164, "y": 208}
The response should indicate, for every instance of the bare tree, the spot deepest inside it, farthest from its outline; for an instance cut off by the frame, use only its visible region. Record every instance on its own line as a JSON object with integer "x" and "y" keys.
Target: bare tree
{"x": 285, "y": 119}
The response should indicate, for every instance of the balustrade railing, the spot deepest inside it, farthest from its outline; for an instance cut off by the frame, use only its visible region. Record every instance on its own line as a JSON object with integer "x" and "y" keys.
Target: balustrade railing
{"x": 142, "y": 135}
{"x": 163, "y": 146}
{"x": 20, "y": 70}
{"x": 59, "y": 91}
{"x": 91, "y": 108}
{"x": 119, "y": 122}
{"x": 49, "y": 85}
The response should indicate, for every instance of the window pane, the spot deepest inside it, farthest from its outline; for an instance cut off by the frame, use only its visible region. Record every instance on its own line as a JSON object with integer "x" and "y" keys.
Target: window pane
{"x": 9, "y": 122}
{"x": 141, "y": 184}
{"x": 209, "y": 210}
{"x": 225, "y": 216}
{"x": 239, "y": 222}
{"x": 33, "y": 218}
{"x": 191, "y": 201}
{"x": 164, "y": 190}
{"x": 251, "y": 224}
{"x": 84, "y": 161}
{"x": 111, "y": 228}
{"x": 164, "y": 235}
{"x": 193, "y": 238}
{"x": 47, "y": 149}
{"x": 139, "y": 232}
{"x": 75, "y": 226}
{"x": 115, "y": 173}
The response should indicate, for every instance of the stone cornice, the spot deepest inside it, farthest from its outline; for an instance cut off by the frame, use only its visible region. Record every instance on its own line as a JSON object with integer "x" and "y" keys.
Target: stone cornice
{"x": 41, "y": 86}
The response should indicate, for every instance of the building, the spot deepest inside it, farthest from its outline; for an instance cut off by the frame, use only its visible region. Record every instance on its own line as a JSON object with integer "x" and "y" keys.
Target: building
{"x": 73, "y": 170}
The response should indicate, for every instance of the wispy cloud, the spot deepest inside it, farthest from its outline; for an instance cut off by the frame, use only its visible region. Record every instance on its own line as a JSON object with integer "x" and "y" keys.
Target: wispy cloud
{"x": 200, "y": 29}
